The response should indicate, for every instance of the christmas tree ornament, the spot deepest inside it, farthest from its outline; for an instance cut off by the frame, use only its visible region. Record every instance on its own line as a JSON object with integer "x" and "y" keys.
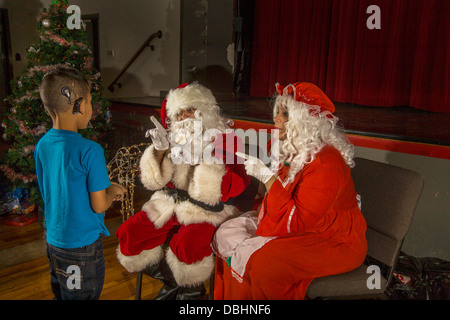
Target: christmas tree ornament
{"x": 46, "y": 23}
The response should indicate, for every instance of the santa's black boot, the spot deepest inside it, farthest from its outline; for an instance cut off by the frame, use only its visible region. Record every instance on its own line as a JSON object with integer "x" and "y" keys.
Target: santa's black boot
{"x": 191, "y": 293}
{"x": 170, "y": 288}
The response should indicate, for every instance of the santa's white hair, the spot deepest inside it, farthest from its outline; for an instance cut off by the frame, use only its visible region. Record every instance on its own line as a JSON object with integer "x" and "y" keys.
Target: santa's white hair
{"x": 308, "y": 130}
{"x": 201, "y": 98}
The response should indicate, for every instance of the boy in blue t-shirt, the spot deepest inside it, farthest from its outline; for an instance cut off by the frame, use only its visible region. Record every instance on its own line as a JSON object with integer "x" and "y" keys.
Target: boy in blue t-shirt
{"x": 75, "y": 187}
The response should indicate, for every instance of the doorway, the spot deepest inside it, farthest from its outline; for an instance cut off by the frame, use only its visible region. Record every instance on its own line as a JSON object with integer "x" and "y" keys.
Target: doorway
{"x": 6, "y": 68}
{"x": 92, "y": 31}
{"x": 206, "y": 41}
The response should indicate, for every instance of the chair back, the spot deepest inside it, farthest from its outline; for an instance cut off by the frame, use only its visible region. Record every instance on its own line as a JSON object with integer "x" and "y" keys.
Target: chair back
{"x": 389, "y": 195}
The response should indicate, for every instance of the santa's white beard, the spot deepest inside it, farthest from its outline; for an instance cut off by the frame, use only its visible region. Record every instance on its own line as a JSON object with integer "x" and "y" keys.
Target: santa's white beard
{"x": 186, "y": 139}
{"x": 180, "y": 131}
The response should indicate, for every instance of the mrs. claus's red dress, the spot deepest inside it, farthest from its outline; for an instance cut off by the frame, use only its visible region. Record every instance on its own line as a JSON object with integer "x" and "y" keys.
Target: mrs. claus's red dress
{"x": 309, "y": 228}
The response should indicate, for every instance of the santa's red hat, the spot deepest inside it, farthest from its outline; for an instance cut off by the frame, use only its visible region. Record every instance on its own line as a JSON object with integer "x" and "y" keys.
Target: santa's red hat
{"x": 307, "y": 93}
{"x": 186, "y": 96}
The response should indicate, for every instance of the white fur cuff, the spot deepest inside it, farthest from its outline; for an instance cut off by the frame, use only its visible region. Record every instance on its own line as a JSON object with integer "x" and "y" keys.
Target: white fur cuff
{"x": 159, "y": 208}
{"x": 188, "y": 275}
{"x": 141, "y": 261}
{"x": 154, "y": 176}
{"x": 207, "y": 183}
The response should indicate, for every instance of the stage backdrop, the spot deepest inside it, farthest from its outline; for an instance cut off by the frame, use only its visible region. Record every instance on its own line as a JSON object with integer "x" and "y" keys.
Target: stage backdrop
{"x": 404, "y": 63}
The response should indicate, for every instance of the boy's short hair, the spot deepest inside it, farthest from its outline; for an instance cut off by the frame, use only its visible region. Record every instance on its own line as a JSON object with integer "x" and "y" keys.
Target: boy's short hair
{"x": 55, "y": 98}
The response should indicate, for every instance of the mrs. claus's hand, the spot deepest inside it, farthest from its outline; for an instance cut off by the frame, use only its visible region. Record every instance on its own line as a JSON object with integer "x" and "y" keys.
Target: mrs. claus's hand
{"x": 256, "y": 168}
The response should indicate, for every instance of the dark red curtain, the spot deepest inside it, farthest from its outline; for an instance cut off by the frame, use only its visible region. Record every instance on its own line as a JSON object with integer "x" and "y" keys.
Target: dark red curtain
{"x": 431, "y": 76}
{"x": 290, "y": 40}
{"x": 327, "y": 42}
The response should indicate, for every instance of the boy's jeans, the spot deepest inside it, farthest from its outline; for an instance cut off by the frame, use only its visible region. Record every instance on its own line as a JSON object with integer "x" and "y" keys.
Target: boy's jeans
{"x": 77, "y": 274}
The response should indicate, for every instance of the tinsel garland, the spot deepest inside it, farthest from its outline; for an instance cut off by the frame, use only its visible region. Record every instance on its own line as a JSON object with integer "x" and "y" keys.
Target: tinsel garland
{"x": 37, "y": 131}
{"x": 28, "y": 149}
{"x": 50, "y": 36}
{"x": 12, "y": 175}
{"x": 29, "y": 95}
{"x": 32, "y": 71}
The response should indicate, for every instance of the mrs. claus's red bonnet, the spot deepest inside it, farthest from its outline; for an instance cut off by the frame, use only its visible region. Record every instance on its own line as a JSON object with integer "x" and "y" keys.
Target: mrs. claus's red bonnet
{"x": 307, "y": 93}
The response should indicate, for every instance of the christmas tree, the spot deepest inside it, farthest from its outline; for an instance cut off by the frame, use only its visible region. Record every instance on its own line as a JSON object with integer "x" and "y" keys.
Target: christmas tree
{"x": 26, "y": 121}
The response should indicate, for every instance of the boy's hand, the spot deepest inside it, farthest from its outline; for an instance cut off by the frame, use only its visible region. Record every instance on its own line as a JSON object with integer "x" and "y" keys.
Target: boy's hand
{"x": 102, "y": 200}
{"x": 118, "y": 191}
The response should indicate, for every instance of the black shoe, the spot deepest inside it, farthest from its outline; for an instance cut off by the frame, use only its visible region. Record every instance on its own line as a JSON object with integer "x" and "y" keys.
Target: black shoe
{"x": 168, "y": 292}
{"x": 170, "y": 288}
{"x": 191, "y": 293}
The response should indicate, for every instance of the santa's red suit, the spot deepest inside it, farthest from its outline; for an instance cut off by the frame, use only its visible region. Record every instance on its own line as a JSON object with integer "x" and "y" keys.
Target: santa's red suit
{"x": 189, "y": 202}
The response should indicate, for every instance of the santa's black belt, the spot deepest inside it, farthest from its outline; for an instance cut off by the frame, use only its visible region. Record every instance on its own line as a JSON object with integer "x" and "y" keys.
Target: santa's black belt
{"x": 182, "y": 195}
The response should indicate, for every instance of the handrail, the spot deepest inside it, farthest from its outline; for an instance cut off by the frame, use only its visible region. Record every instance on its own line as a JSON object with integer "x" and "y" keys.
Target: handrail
{"x": 142, "y": 48}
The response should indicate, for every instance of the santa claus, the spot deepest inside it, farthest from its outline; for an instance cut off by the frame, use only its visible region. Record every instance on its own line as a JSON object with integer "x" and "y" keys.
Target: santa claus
{"x": 170, "y": 238}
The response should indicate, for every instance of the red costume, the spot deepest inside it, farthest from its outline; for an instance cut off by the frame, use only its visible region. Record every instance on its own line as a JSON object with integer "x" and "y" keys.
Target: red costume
{"x": 317, "y": 227}
{"x": 189, "y": 203}
{"x": 308, "y": 228}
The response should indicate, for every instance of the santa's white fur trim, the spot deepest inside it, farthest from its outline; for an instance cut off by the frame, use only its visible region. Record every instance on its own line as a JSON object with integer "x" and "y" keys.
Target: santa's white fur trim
{"x": 206, "y": 183}
{"x": 140, "y": 261}
{"x": 189, "y": 213}
{"x": 194, "y": 95}
{"x": 182, "y": 175}
{"x": 188, "y": 275}
{"x": 159, "y": 208}
{"x": 154, "y": 176}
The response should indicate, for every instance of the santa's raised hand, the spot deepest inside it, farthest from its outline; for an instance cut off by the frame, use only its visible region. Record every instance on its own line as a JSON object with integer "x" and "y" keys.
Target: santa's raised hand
{"x": 158, "y": 135}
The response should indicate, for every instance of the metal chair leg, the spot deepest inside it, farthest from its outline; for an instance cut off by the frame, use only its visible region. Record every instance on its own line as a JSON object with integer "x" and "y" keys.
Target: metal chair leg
{"x": 138, "y": 285}
{"x": 211, "y": 287}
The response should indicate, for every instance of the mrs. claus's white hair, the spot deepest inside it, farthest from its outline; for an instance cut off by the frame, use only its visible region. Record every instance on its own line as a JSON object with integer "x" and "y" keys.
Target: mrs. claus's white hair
{"x": 307, "y": 131}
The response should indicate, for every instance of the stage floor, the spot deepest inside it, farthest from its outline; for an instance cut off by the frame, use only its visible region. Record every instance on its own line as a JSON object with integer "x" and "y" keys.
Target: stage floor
{"x": 395, "y": 123}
